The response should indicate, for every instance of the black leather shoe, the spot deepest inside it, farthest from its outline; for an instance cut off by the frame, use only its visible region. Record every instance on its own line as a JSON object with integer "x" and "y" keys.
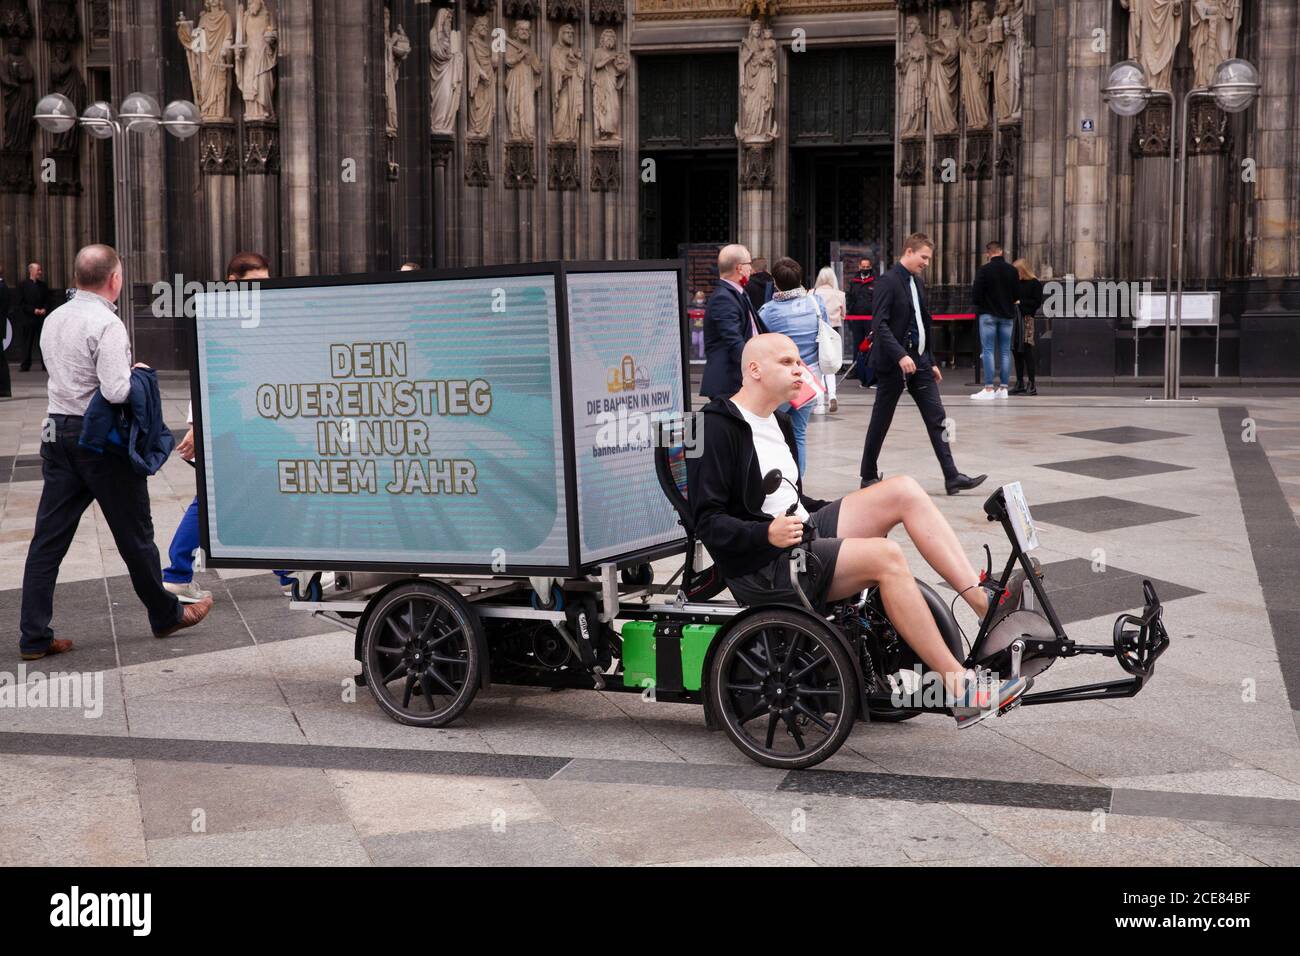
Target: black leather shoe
{"x": 868, "y": 482}
{"x": 1019, "y": 389}
{"x": 1032, "y": 389}
{"x": 963, "y": 483}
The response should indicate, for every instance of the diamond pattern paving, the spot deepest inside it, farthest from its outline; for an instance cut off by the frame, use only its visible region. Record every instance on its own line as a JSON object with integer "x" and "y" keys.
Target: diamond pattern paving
{"x": 1103, "y": 513}
{"x": 1125, "y": 434}
{"x": 1110, "y": 467}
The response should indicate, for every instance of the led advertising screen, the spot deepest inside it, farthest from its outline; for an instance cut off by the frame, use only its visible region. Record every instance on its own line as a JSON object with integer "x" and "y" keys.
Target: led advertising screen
{"x": 407, "y": 423}
{"x": 625, "y": 343}
{"x": 496, "y": 424}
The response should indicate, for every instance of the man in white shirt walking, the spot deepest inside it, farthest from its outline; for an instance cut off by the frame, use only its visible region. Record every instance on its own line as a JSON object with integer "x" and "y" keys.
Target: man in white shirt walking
{"x": 86, "y": 350}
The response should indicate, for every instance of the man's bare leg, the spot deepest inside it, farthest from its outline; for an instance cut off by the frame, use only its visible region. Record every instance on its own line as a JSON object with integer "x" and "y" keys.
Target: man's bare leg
{"x": 872, "y": 512}
{"x": 863, "y": 562}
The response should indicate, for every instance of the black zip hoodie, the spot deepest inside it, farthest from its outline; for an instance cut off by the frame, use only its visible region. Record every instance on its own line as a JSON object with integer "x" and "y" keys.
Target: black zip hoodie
{"x": 725, "y": 491}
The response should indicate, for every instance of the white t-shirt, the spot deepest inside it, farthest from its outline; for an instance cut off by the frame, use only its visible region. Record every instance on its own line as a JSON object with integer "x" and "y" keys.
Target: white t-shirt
{"x": 773, "y": 452}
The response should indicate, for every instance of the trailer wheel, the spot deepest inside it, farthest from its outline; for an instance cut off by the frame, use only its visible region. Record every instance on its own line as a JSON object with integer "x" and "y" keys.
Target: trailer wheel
{"x": 420, "y": 654}
{"x": 784, "y": 689}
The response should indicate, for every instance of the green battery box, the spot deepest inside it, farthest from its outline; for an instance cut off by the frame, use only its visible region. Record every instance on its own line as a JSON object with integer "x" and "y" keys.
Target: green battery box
{"x": 665, "y": 655}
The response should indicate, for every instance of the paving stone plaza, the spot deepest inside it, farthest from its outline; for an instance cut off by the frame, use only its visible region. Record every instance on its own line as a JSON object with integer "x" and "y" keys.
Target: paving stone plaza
{"x": 244, "y": 723}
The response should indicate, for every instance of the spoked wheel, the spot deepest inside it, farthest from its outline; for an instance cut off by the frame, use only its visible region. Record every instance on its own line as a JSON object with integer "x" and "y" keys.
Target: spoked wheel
{"x": 784, "y": 689}
{"x": 420, "y": 654}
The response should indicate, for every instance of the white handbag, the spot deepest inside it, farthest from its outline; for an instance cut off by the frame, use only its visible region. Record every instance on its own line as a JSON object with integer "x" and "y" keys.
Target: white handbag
{"x": 830, "y": 347}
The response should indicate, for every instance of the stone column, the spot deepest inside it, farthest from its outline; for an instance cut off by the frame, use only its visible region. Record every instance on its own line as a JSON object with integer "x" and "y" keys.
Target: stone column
{"x": 301, "y": 173}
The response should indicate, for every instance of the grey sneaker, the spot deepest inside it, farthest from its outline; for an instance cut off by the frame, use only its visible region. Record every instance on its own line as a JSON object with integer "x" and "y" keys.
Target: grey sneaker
{"x": 187, "y": 593}
{"x": 985, "y": 695}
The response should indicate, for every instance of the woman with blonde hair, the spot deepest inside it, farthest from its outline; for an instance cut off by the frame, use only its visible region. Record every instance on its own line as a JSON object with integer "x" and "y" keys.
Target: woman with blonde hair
{"x": 1022, "y": 342}
{"x": 827, "y": 288}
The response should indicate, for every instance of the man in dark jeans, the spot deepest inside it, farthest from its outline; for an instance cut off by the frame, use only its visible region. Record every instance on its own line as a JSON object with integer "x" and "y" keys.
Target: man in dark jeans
{"x": 32, "y": 305}
{"x": 996, "y": 292}
{"x": 900, "y": 354}
{"x": 87, "y": 351}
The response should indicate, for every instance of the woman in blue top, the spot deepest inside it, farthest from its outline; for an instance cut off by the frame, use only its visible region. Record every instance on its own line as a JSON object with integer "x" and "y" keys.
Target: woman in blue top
{"x": 794, "y": 312}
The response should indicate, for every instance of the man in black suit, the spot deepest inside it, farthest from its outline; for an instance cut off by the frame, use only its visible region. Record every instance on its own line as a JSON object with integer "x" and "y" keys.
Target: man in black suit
{"x": 900, "y": 356}
{"x": 33, "y": 303}
{"x": 729, "y": 321}
{"x": 5, "y": 388}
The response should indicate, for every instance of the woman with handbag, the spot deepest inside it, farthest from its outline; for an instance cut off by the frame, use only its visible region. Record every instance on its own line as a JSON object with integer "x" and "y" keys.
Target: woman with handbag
{"x": 827, "y": 288}
{"x": 795, "y": 312}
{"x": 1022, "y": 341}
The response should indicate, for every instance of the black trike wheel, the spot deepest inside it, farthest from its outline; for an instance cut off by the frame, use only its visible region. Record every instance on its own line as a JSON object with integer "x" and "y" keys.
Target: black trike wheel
{"x": 784, "y": 689}
{"x": 420, "y": 654}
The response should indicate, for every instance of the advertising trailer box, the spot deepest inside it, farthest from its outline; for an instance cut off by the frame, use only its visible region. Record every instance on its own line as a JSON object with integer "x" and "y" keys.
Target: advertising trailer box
{"x": 484, "y": 421}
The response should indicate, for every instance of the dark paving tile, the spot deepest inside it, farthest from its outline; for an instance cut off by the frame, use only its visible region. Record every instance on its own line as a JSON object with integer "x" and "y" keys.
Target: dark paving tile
{"x": 21, "y": 461}
{"x": 1078, "y": 593}
{"x": 455, "y": 763}
{"x": 1103, "y": 513}
{"x": 221, "y": 630}
{"x": 6, "y": 465}
{"x": 1124, "y": 434}
{"x": 1111, "y": 467}
{"x": 26, "y": 474}
{"x": 1258, "y": 811}
{"x": 886, "y": 786}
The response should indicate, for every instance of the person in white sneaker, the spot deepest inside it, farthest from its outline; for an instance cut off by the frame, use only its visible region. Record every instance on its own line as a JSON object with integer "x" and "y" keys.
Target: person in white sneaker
{"x": 996, "y": 292}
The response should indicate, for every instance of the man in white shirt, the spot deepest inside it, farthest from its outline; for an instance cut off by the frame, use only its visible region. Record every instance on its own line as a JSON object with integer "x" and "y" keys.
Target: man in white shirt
{"x": 87, "y": 351}
{"x": 748, "y": 531}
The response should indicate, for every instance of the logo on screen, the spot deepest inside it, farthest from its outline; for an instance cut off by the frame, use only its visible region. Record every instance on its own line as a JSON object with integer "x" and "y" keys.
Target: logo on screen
{"x": 627, "y": 376}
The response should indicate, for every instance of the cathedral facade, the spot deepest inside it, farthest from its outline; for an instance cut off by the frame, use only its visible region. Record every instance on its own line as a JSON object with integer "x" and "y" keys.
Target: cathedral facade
{"x": 356, "y": 135}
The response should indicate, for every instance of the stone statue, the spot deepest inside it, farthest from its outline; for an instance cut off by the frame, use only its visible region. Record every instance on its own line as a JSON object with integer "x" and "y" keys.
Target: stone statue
{"x": 65, "y": 78}
{"x": 975, "y": 68}
{"x": 1007, "y": 40}
{"x": 757, "y": 86}
{"x": 1153, "y": 28}
{"x": 446, "y": 73}
{"x": 1214, "y": 36}
{"x": 483, "y": 62}
{"x": 207, "y": 52}
{"x": 608, "y": 66}
{"x": 945, "y": 52}
{"x": 523, "y": 67}
{"x": 397, "y": 47}
{"x": 913, "y": 60}
{"x": 567, "y": 75}
{"x": 18, "y": 81}
{"x": 256, "y": 55}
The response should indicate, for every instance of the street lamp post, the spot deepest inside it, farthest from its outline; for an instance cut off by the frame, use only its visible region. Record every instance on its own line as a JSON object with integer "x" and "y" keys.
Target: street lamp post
{"x": 1234, "y": 88}
{"x": 1127, "y": 93}
{"x": 140, "y": 114}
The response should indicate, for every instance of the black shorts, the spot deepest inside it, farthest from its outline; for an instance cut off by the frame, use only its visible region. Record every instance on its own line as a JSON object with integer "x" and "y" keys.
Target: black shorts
{"x": 771, "y": 584}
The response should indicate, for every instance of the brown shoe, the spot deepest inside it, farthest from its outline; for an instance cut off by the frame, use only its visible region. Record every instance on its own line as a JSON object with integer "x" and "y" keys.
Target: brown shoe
{"x": 192, "y": 615}
{"x": 57, "y": 646}
{"x": 835, "y": 406}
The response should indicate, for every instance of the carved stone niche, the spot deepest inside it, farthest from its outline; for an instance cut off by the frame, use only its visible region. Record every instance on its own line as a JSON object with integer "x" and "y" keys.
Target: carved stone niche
{"x": 1207, "y": 131}
{"x": 979, "y": 159}
{"x": 1008, "y": 150}
{"x": 218, "y": 155}
{"x": 478, "y": 168}
{"x": 911, "y": 168}
{"x": 16, "y": 172}
{"x": 945, "y": 148}
{"x": 67, "y": 174}
{"x": 520, "y": 171}
{"x": 479, "y": 7}
{"x": 61, "y": 22}
{"x": 519, "y": 9}
{"x": 1152, "y": 131}
{"x": 441, "y": 146}
{"x": 261, "y": 148}
{"x": 606, "y": 163}
{"x": 562, "y": 166}
{"x": 756, "y": 165}
{"x": 564, "y": 11}
{"x": 610, "y": 12}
